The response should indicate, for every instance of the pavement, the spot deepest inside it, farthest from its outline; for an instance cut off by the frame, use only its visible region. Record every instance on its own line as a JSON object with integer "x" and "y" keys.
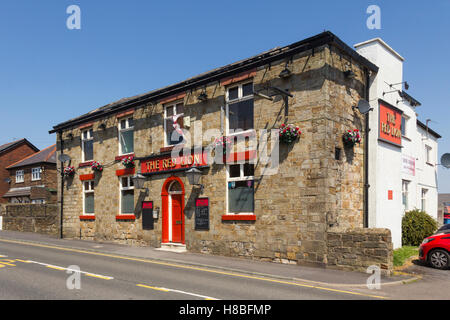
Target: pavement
{"x": 169, "y": 275}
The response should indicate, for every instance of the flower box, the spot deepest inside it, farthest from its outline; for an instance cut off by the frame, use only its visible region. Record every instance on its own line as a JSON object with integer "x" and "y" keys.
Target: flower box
{"x": 351, "y": 137}
{"x": 96, "y": 166}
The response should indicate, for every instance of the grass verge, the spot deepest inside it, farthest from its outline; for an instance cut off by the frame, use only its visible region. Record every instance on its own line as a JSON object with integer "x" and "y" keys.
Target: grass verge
{"x": 404, "y": 253}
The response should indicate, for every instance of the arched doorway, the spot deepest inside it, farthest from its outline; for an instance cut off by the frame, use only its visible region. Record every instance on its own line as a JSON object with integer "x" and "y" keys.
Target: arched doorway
{"x": 172, "y": 195}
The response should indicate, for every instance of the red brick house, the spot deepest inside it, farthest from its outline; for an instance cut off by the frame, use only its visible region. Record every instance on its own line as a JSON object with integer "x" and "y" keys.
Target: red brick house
{"x": 33, "y": 179}
{"x": 10, "y": 153}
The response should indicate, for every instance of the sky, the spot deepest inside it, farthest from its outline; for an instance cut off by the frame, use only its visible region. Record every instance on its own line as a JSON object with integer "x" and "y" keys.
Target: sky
{"x": 50, "y": 74}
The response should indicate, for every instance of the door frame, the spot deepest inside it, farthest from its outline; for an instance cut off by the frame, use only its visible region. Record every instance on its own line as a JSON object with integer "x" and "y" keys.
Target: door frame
{"x": 167, "y": 208}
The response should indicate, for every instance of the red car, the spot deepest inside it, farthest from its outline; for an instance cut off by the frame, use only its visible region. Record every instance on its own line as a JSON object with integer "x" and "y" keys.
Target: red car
{"x": 436, "y": 250}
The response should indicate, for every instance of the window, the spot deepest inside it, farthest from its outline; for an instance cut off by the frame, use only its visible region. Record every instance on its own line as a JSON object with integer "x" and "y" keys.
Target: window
{"x": 88, "y": 190}
{"x": 424, "y": 199}
{"x": 126, "y": 136}
{"x": 405, "y": 194}
{"x": 38, "y": 201}
{"x": 19, "y": 176}
{"x": 240, "y": 107}
{"x": 126, "y": 195}
{"x": 173, "y": 123}
{"x": 404, "y": 126}
{"x": 241, "y": 188}
{"x": 35, "y": 174}
{"x": 428, "y": 154}
{"x": 87, "y": 144}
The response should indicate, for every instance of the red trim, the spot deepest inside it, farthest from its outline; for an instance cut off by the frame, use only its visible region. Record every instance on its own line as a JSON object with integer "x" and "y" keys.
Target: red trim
{"x": 86, "y": 125}
{"x": 85, "y": 177}
{"x": 87, "y": 217}
{"x": 125, "y": 172}
{"x": 238, "y": 217}
{"x": 172, "y": 98}
{"x": 85, "y": 164}
{"x": 125, "y": 113}
{"x": 238, "y": 77}
{"x": 126, "y": 217}
{"x": 240, "y": 156}
{"x": 120, "y": 158}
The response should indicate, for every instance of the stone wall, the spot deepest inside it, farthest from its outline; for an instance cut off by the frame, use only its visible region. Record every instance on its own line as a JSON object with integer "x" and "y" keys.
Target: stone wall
{"x": 294, "y": 208}
{"x": 38, "y": 218}
{"x": 358, "y": 249}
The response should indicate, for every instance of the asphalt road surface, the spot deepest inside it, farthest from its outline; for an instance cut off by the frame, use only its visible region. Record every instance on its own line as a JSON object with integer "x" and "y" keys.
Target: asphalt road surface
{"x": 44, "y": 272}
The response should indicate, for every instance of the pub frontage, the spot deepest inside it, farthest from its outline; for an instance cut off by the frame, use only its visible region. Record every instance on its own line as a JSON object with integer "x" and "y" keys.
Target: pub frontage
{"x": 263, "y": 159}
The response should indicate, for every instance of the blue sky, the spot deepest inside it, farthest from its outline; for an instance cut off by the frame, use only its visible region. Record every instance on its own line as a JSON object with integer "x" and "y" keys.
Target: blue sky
{"x": 50, "y": 74}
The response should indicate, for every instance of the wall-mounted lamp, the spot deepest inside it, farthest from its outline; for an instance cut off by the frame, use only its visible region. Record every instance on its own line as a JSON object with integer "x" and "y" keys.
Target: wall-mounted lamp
{"x": 139, "y": 181}
{"x": 194, "y": 176}
{"x": 202, "y": 96}
{"x": 349, "y": 74}
{"x": 286, "y": 73}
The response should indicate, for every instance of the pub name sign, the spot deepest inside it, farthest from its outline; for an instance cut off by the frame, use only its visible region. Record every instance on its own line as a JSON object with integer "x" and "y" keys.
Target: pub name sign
{"x": 168, "y": 163}
{"x": 390, "y": 124}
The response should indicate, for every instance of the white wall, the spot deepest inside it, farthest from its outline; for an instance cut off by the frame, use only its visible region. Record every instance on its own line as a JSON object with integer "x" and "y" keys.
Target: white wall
{"x": 385, "y": 160}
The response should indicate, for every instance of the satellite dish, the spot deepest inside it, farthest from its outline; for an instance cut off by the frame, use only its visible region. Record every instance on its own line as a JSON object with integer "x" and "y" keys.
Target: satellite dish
{"x": 64, "y": 158}
{"x": 445, "y": 160}
{"x": 8, "y": 180}
{"x": 363, "y": 106}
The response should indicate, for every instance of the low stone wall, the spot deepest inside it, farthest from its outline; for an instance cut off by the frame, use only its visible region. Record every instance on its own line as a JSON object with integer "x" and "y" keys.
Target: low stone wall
{"x": 38, "y": 218}
{"x": 358, "y": 249}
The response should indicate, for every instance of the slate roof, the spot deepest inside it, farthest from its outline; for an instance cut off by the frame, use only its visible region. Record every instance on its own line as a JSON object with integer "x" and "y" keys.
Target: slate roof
{"x": 264, "y": 58}
{"x": 48, "y": 155}
{"x": 10, "y": 145}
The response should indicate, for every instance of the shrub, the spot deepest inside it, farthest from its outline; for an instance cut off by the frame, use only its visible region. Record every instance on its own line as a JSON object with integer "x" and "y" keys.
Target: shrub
{"x": 416, "y": 226}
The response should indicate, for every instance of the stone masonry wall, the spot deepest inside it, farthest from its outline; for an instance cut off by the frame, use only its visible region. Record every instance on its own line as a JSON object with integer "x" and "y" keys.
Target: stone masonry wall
{"x": 310, "y": 193}
{"x": 359, "y": 249}
{"x": 38, "y": 218}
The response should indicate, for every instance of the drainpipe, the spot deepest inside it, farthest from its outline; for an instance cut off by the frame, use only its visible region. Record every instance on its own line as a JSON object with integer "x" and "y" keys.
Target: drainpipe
{"x": 366, "y": 157}
{"x": 62, "y": 188}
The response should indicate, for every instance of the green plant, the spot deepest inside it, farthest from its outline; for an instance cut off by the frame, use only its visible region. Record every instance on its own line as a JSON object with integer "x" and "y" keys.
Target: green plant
{"x": 404, "y": 253}
{"x": 416, "y": 226}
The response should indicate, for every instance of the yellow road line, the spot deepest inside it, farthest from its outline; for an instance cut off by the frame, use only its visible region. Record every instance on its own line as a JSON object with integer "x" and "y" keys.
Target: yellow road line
{"x": 154, "y": 288}
{"x": 8, "y": 264}
{"x": 56, "y": 268}
{"x": 1, "y": 266}
{"x": 191, "y": 268}
{"x": 97, "y": 276}
{"x": 22, "y": 261}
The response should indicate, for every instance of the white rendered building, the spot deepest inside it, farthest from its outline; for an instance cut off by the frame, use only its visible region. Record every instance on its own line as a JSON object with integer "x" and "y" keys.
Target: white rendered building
{"x": 402, "y": 173}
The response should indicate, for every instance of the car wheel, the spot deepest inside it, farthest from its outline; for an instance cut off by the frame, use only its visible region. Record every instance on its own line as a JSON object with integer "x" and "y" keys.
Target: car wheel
{"x": 439, "y": 259}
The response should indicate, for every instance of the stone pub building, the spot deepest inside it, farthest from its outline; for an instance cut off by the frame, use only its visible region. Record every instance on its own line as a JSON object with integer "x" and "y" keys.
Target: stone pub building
{"x": 310, "y": 210}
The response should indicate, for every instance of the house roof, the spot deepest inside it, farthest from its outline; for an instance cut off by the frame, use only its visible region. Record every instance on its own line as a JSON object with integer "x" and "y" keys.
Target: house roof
{"x": 217, "y": 74}
{"x": 424, "y": 127}
{"x": 11, "y": 145}
{"x": 47, "y": 155}
{"x": 18, "y": 192}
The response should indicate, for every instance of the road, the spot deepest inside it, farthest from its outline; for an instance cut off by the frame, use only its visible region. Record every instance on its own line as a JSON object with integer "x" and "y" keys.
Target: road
{"x": 32, "y": 271}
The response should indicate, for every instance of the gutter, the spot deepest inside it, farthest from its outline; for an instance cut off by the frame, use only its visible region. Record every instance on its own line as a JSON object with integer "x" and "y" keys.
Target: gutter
{"x": 366, "y": 158}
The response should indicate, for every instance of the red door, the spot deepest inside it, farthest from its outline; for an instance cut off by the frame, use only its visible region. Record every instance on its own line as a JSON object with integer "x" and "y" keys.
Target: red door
{"x": 177, "y": 221}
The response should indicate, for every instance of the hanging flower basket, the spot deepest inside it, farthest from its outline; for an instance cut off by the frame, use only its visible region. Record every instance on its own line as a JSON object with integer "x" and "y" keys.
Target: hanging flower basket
{"x": 223, "y": 142}
{"x": 289, "y": 133}
{"x": 352, "y": 137}
{"x": 68, "y": 171}
{"x": 96, "y": 166}
{"x": 128, "y": 162}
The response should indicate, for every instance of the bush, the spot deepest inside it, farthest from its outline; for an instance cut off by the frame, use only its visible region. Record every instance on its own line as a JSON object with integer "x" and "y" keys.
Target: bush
{"x": 416, "y": 226}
